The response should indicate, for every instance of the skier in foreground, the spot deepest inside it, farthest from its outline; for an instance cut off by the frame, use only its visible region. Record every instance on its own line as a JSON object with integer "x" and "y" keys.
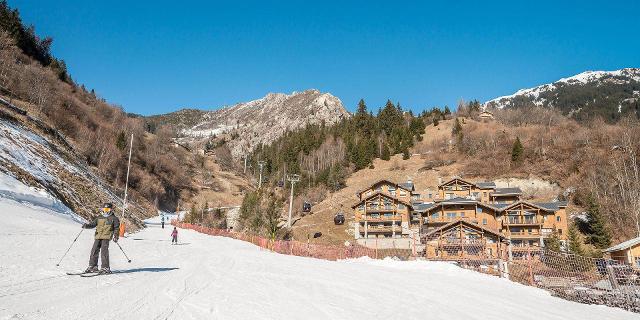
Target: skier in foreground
{"x": 107, "y": 227}
{"x": 174, "y": 235}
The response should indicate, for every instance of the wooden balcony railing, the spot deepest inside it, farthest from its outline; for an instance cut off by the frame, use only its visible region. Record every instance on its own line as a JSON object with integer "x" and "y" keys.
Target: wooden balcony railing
{"x": 382, "y": 218}
{"x": 374, "y": 229}
{"x": 524, "y": 234}
{"x": 381, "y": 209}
{"x": 521, "y": 220}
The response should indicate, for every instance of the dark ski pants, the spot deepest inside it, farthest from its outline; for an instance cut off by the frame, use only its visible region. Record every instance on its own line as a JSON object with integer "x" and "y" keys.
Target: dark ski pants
{"x": 174, "y": 240}
{"x": 100, "y": 247}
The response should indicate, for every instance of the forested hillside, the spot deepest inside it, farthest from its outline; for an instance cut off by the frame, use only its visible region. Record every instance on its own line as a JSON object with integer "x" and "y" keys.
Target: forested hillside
{"x": 36, "y": 81}
{"x": 325, "y": 154}
{"x": 609, "y": 95}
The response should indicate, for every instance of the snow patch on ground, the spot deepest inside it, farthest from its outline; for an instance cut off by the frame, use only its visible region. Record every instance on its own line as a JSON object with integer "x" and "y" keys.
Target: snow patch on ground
{"x": 14, "y": 190}
{"x": 209, "y": 277}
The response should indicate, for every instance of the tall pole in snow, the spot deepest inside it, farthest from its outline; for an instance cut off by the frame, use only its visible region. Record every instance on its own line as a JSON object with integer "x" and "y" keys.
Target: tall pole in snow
{"x": 293, "y": 178}
{"x": 126, "y": 186}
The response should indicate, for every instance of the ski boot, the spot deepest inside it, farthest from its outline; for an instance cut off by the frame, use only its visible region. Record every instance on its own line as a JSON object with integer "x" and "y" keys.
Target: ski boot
{"x": 104, "y": 271}
{"x": 91, "y": 269}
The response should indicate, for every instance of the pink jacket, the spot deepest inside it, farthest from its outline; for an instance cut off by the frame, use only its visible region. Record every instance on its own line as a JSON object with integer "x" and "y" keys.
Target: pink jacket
{"x": 174, "y": 233}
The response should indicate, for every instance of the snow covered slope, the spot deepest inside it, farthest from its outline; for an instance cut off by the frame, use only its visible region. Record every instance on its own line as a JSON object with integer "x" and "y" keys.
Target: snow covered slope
{"x": 258, "y": 121}
{"x": 219, "y": 278}
{"x": 31, "y": 154}
{"x": 612, "y": 91}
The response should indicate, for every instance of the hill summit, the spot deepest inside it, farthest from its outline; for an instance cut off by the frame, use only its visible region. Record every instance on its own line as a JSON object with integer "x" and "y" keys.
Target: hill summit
{"x": 610, "y": 94}
{"x": 257, "y": 122}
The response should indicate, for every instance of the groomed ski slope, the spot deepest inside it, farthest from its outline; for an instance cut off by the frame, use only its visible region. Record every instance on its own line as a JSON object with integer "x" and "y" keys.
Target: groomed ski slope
{"x": 218, "y": 278}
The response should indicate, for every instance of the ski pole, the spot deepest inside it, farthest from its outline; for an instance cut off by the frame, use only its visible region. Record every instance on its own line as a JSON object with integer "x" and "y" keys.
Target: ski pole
{"x": 125, "y": 255}
{"x": 74, "y": 241}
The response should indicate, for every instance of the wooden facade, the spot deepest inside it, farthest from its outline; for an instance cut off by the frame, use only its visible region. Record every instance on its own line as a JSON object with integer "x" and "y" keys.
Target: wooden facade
{"x": 390, "y": 210}
{"x": 383, "y": 211}
{"x": 460, "y": 240}
{"x": 527, "y": 224}
{"x": 627, "y": 252}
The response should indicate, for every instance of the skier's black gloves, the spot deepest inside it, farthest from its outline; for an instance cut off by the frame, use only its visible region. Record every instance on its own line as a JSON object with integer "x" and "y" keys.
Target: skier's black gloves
{"x": 115, "y": 239}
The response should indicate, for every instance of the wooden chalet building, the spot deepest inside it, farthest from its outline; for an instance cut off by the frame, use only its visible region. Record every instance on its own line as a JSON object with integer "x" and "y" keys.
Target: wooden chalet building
{"x": 485, "y": 192}
{"x": 384, "y": 210}
{"x": 627, "y": 252}
{"x": 464, "y": 219}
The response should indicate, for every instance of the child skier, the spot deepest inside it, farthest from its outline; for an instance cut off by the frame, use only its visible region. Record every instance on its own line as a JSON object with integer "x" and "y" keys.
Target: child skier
{"x": 107, "y": 227}
{"x": 174, "y": 236}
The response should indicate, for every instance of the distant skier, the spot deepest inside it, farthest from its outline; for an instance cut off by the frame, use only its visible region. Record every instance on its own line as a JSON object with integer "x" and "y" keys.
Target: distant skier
{"x": 107, "y": 227}
{"x": 162, "y": 222}
{"x": 174, "y": 236}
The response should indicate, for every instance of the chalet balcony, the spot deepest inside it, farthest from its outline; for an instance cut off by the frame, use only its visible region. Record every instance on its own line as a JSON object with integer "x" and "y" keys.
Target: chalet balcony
{"x": 381, "y": 209}
{"x": 521, "y": 248}
{"x": 525, "y": 234}
{"x": 461, "y": 242}
{"x": 521, "y": 221}
{"x": 446, "y": 219}
{"x": 385, "y": 229}
{"x": 382, "y": 218}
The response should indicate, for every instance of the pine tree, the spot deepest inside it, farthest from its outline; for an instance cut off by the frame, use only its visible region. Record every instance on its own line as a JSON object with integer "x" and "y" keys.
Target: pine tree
{"x": 597, "y": 232}
{"x": 190, "y": 218}
{"x": 386, "y": 155}
{"x": 553, "y": 242}
{"x": 362, "y": 107}
{"x": 436, "y": 122}
{"x": 447, "y": 111}
{"x": 272, "y": 216}
{"x": 457, "y": 128}
{"x": 575, "y": 241}
{"x": 517, "y": 152}
{"x": 121, "y": 141}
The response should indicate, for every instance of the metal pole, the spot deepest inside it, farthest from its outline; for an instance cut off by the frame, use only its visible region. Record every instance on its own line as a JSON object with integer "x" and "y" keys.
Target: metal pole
{"x": 261, "y": 164}
{"x": 293, "y": 178}
{"x": 74, "y": 241}
{"x": 126, "y": 186}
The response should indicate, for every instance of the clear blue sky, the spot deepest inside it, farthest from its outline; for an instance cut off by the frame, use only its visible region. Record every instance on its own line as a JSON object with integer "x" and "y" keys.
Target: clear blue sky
{"x": 158, "y": 56}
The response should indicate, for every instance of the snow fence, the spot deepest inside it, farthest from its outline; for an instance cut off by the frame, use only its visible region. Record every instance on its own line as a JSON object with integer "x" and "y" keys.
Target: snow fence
{"x": 572, "y": 277}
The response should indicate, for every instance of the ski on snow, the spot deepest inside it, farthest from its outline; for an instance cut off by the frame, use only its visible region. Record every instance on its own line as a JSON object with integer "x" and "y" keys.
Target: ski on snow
{"x": 77, "y": 273}
{"x": 88, "y": 275}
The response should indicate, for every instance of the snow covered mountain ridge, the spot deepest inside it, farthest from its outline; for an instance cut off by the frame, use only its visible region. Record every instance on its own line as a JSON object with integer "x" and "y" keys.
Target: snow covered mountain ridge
{"x": 259, "y": 121}
{"x": 601, "y": 92}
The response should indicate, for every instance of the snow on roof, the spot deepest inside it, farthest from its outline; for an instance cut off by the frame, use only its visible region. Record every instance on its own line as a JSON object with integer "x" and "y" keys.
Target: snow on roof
{"x": 625, "y": 245}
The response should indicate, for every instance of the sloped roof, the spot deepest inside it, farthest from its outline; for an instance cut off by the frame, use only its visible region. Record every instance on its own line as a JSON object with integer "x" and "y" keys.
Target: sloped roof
{"x": 454, "y": 179}
{"x": 506, "y": 191}
{"x": 375, "y": 183}
{"x": 625, "y": 245}
{"x": 382, "y": 194}
{"x": 455, "y": 201}
{"x": 407, "y": 186}
{"x": 462, "y": 221}
{"x": 486, "y": 185}
{"x": 555, "y": 206}
{"x": 422, "y": 207}
{"x": 546, "y": 206}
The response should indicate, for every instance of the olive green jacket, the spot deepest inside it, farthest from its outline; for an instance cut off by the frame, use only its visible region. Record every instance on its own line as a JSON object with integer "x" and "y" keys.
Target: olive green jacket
{"x": 106, "y": 227}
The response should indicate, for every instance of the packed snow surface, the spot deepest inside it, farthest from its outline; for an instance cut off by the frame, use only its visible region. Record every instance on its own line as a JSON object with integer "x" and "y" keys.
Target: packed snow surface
{"x": 219, "y": 278}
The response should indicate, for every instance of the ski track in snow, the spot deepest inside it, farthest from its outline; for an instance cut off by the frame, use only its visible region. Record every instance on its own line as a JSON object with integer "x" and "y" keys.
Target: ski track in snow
{"x": 219, "y": 278}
